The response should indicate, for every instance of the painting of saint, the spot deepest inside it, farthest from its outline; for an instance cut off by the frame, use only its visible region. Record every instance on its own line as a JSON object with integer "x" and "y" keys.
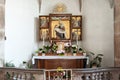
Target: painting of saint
{"x": 60, "y": 30}
{"x": 43, "y": 21}
{"x": 76, "y": 21}
{"x": 76, "y": 33}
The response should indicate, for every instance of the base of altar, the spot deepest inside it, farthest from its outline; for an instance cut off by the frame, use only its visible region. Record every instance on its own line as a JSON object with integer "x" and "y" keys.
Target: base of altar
{"x": 53, "y": 62}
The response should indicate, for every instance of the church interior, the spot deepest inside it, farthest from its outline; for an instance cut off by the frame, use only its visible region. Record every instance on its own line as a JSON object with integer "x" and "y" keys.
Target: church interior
{"x": 59, "y": 39}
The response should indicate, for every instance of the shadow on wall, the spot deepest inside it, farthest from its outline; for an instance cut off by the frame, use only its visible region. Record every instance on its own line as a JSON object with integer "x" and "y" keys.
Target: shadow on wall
{"x": 36, "y": 29}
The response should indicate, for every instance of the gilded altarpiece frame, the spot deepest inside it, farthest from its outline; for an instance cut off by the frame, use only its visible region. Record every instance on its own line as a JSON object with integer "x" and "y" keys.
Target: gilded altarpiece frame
{"x": 60, "y": 27}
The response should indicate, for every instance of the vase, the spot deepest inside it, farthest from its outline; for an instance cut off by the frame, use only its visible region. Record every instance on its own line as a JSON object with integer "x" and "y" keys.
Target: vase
{"x": 84, "y": 54}
{"x": 23, "y": 65}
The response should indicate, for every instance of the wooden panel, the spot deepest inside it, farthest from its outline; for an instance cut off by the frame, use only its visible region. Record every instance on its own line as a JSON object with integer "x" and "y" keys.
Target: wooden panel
{"x": 64, "y": 63}
{"x": 68, "y": 63}
{"x": 51, "y": 64}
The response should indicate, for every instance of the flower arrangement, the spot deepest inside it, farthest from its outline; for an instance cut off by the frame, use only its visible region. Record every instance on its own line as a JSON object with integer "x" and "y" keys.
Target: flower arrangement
{"x": 60, "y": 52}
{"x": 54, "y": 48}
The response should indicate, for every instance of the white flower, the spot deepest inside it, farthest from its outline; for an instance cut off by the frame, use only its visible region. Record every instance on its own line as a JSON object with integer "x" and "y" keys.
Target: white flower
{"x": 67, "y": 44}
{"x": 60, "y": 51}
{"x": 74, "y": 46}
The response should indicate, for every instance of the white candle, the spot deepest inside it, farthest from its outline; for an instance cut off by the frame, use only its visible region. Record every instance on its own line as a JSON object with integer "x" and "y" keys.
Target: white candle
{"x": 43, "y": 41}
{"x": 77, "y": 40}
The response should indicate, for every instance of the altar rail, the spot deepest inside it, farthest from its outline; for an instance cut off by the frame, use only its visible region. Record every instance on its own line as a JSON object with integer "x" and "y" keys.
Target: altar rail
{"x": 76, "y": 74}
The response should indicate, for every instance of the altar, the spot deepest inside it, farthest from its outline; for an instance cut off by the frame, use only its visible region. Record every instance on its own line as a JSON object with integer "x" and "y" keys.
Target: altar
{"x": 54, "y": 62}
{"x": 60, "y": 30}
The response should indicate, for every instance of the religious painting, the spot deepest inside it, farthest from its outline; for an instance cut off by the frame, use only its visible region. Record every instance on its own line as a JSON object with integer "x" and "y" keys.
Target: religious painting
{"x": 76, "y": 34}
{"x": 44, "y": 21}
{"x": 76, "y": 21}
{"x": 60, "y": 27}
{"x": 44, "y": 34}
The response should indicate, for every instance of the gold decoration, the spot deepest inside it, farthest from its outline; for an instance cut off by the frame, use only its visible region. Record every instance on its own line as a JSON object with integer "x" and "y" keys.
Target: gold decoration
{"x": 59, "y": 8}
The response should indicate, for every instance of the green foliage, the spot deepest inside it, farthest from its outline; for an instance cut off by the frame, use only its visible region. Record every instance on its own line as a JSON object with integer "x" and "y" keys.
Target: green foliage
{"x": 40, "y": 49}
{"x": 74, "y": 49}
{"x": 43, "y": 51}
{"x": 54, "y": 48}
{"x": 29, "y": 65}
{"x": 8, "y": 76}
{"x": 9, "y": 64}
{"x": 67, "y": 49}
{"x": 47, "y": 48}
{"x": 80, "y": 49}
{"x": 36, "y": 51}
{"x": 96, "y": 60}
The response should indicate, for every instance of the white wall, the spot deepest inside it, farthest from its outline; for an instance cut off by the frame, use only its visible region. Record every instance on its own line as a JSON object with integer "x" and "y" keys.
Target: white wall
{"x": 98, "y": 29}
{"x": 21, "y": 27}
{"x": 48, "y": 5}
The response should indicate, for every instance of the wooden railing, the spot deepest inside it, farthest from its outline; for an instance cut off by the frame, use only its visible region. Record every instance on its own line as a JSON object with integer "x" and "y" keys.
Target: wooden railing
{"x": 72, "y": 74}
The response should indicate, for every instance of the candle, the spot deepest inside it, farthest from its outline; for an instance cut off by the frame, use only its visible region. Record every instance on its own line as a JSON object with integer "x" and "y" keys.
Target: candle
{"x": 77, "y": 39}
{"x": 43, "y": 36}
{"x": 43, "y": 41}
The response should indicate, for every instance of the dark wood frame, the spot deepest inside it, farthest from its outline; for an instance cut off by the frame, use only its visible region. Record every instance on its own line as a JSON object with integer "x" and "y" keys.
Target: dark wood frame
{"x": 78, "y": 28}
{"x": 44, "y": 17}
{"x": 49, "y": 17}
{"x": 45, "y": 27}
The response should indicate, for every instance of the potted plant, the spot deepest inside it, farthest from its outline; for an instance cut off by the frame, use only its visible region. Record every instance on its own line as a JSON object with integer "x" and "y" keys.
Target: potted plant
{"x": 9, "y": 64}
{"x": 67, "y": 47}
{"x": 96, "y": 60}
{"x": 54, "y": 48}
{"x": 47, "y": 48}
{"x": 74, "y": 50}
{"x": 43, "y": 53}
{"x": 40, "y": 50}
{"x": 80, "y": 50}
{"x": 24, "y": 65}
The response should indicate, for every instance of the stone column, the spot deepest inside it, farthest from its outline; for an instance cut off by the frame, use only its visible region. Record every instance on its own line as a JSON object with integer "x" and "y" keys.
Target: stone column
{"x": 117, "y": 33}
